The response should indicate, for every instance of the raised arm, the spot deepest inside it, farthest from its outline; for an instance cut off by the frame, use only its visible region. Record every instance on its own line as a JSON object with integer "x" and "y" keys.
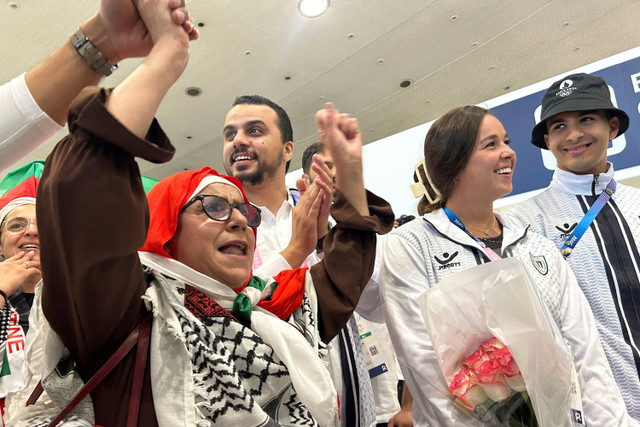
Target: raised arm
{"x": 34, "y": 106}
{"x": 117, "y": 32}
{"x": 350, "y": 246}
{"x": 93, "y": 217}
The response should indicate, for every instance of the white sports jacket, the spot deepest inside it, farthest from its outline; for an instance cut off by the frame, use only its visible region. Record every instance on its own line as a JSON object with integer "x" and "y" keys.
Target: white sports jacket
{"x": 606, "y": 262}
{"x": 420, "y": 254}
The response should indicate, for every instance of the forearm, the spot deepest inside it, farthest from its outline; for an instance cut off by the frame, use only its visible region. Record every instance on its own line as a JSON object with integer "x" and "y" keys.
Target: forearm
{"x": 348, "y": 262}
{"x": 135, "y": 101}
{"x": 57, "y": 80}
{"x": 92, "y": 220}
{"x": 350, "y": 182}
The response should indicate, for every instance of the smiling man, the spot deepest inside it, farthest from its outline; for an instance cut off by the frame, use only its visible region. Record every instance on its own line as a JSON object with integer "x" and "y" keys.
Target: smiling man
{"x": 258, "y": 146}
{"x": 592, "y": 219}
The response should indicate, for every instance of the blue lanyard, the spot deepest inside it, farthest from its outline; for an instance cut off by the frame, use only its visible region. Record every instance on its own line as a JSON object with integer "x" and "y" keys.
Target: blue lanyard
{"x": 493, "y": 256}
{"x": 295, "y": 195}
{"x": 587, "y": 219}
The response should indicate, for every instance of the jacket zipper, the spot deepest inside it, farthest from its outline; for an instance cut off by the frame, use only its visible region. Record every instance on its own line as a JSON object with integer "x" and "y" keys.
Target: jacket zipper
{"x": 594, "y": 184}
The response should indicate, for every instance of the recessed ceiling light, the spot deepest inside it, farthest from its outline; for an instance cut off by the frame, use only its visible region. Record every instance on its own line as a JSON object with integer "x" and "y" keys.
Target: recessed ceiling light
{"x": 406, "y": 83}
{"x": 312, "y": 8}
{"x": 453, "y": 18}
{"x": 380, "y": 61}
{"x": 287, "y": 77}
{"x": 12, "y": 5}
{"x": 200, "y": 24}
{"x": 193, "y": 91}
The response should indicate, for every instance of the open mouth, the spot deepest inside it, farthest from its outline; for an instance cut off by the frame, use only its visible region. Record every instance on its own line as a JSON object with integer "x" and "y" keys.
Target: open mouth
{"x": 504, "y": 171}
{"x": 242, "y": 157}
{"x": 29, "y": 246}
{"x": 234, "y": 248}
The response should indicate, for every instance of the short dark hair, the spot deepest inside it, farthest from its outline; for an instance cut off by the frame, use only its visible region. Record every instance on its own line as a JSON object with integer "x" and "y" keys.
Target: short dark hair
{"x": 284, "y": 123}
{"x": 307, "y": 155}
{"x": 447, "y": 149}
{"x": 403, "y": 219}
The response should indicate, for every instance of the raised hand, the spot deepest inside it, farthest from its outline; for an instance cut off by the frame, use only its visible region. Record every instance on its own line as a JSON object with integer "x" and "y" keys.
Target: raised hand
{"x": 119, "y": 32}
{"x": 17, "y": 270}
{"x": 304, "y": 228}
{"x": 323, "y": 176}
{"x": 341, "y": 136}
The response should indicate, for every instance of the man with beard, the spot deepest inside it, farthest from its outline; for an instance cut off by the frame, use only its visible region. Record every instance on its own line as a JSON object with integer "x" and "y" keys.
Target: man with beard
{"x": 258, "y": 146}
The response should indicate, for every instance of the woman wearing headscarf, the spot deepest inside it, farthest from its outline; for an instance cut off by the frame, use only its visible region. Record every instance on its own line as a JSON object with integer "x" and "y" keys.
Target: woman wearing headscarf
{"x": 19, "y": 276}
{"x": 468, "y": 165}
{"x": 216, "y": 356}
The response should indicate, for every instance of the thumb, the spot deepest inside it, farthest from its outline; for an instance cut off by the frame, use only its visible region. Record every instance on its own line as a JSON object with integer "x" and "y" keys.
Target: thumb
{"x": 301, "y": 184}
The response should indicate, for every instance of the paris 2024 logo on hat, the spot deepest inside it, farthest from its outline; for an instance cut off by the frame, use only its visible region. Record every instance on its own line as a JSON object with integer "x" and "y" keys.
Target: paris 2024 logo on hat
{"x": 577, "y": 92}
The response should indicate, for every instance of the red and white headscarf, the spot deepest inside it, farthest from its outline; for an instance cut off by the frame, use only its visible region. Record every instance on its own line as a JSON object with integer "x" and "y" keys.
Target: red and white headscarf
{"x": 166, "y": 200}
{"x": 168, "y": 197}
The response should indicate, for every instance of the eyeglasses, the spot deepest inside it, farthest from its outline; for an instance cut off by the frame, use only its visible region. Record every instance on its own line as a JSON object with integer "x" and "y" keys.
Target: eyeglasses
{"x": 219, "y": 209}
{"x": 18, "y": 224}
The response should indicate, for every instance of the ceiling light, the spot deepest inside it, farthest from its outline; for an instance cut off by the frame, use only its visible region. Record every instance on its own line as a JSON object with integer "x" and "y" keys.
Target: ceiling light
{"x": 312, "y": 8}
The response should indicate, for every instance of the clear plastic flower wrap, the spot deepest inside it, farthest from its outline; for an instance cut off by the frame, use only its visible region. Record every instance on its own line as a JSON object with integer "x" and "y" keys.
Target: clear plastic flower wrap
{"x": 500, "y": 352}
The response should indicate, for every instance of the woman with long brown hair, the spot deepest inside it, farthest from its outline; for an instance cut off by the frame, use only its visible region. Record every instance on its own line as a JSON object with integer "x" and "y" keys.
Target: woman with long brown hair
{"x": 468, "y": 164}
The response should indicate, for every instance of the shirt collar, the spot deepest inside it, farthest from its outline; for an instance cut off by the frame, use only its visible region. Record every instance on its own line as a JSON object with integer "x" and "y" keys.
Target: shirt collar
{"x": 571, "y": 183}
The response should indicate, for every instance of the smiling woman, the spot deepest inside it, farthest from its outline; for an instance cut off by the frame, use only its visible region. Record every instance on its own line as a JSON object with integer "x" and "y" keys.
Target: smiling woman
{"x": 469, "y": 164}
{"x": 19, "y": 275}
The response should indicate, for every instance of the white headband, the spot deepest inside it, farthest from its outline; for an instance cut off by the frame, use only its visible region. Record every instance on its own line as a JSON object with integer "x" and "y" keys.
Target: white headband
{"x": 20, "y": 201}
{"x": 208, "y": 180}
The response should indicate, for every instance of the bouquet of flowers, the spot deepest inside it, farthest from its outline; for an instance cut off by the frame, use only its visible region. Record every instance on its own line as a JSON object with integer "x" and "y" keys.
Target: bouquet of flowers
{"x": 480, "y": 322}
{"x": 489, "y": 383}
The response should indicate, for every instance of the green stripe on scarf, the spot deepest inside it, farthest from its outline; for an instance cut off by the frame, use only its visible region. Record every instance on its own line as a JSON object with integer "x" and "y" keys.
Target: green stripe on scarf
{"x": 242, "y": 307}
{"x": 6, "y": 369}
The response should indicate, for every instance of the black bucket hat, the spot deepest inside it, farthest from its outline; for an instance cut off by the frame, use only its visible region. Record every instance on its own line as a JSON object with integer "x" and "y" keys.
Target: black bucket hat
{"x": 576, "y": 92}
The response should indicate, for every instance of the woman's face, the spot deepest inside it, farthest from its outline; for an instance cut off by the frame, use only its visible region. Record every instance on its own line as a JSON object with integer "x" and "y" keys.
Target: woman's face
{"x": 490, "y": 167}
{"x": 222, "y": 250}
{"x": 26, "y": 240}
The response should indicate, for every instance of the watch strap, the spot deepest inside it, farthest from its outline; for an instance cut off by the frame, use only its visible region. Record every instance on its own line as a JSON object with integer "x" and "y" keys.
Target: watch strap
{"x": 90, "y": 54}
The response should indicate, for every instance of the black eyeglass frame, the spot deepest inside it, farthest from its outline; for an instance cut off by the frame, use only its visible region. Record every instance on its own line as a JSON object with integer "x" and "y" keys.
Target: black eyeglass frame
{"x": 231, "y": 207}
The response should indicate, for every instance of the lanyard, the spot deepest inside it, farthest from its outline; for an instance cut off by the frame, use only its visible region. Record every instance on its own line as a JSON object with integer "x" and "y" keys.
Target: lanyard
{"x": 295, "y": 195}
{"x": 493, "y": 256}
{"x": 587, "y": 219}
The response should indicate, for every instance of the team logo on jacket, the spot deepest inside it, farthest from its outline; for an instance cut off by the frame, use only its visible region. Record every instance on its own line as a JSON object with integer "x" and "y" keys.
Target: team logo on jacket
{"x": 540, "y": 263}
{"x": 445, "y": 262}
{"x": 566, "y": 229}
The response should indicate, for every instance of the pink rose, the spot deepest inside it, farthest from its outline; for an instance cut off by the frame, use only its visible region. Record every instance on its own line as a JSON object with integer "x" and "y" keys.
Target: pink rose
{"x": 506, "y": 360}
{"x": 490, "y": 378}
{"x": 491, "y": 345}
{"x": 466, "y": 391}
{"x": 476, "y": 359}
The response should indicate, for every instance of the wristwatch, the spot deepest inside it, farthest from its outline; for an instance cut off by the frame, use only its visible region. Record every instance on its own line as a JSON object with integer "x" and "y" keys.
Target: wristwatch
{"x": 90, "y": 54}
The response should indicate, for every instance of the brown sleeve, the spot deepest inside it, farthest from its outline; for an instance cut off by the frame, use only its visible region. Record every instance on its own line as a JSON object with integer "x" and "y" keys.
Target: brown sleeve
{"x": 92, "y": 218}
{"x": 349, "y": 259}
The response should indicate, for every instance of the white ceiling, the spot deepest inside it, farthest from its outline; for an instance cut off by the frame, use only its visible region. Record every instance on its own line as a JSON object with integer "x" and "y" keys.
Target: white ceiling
{"x": 455, "y": 51}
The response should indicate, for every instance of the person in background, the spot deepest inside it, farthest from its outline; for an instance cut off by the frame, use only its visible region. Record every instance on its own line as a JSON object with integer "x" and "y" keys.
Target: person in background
{"x": 19, "y": 275}
{"x": 377, "y": 350}
{"x": 591, "y": 218}
{"x": 34, "y": 105}
{"x": 468, "y": 165}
